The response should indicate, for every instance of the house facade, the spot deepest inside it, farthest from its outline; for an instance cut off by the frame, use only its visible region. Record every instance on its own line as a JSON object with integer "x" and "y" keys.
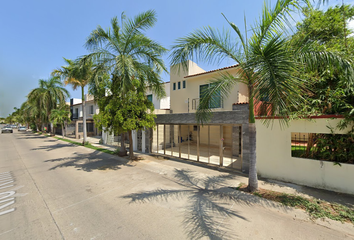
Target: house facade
{"x": 75, "y": 129}
{"x": 222, "y": 141}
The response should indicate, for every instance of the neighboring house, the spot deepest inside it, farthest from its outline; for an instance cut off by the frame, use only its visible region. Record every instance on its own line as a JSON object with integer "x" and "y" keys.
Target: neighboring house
{"x": 141, "y": 138}
{"x": 163, "y": 103}
{"x": 76, "y": 127}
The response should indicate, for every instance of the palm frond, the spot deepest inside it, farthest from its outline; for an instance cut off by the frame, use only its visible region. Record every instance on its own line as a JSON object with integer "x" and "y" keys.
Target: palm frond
{"x": 207, "y": 45}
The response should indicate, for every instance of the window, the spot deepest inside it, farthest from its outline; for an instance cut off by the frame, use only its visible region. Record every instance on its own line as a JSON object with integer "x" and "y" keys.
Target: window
{"x": 80, "y": 127}
{"x": 215, "y": 100}
{"x": 174, "y": 86}
{"x": 89, "y": 127}
{"x": 179, "y": 85}
{"x": 184, "y": 84}
{"x": 91, "y": 109}
{"x": 149, "y": 97}
{"x": 337, "y": 148}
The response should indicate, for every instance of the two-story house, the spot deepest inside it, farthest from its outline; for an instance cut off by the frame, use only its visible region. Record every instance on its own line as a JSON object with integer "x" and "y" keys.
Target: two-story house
{"x": 222, "y": 140}
{"x": 77, "y": 117}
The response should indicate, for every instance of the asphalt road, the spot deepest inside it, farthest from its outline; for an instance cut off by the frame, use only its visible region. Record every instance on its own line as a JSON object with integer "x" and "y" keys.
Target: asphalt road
{"x": 53, "y": 190}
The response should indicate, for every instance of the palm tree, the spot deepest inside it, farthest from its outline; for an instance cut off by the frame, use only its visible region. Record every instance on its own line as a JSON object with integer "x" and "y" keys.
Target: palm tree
{"x": 60, "y": 116}
{"x": 267, "y": 63}
{"x": 29, "y": 113}
{"x": 77, "y": 74}
{"x": 46, "y": 97}
{"x": 129, "y": 56}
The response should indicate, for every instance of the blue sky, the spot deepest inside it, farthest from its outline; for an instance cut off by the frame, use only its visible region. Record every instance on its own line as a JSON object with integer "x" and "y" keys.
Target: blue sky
{"x": 37, "y": 34}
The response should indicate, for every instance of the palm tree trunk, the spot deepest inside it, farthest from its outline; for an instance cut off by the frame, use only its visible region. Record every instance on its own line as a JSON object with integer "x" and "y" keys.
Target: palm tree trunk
{"x": 131, "y": 153}
{"x": 84, "y": 115}
{"x": 65, "y": 127}
{"x": 62, "y": 130}
{"x": 252, "y": 175}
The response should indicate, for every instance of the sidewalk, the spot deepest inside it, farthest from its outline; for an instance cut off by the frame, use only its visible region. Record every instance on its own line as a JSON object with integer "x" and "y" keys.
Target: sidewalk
{"x": 269, "y": 184}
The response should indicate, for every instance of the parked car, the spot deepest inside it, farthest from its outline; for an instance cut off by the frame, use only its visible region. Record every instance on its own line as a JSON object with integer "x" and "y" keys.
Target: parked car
{"x": 22, "y": 128}
{"x": 7, "y": 129}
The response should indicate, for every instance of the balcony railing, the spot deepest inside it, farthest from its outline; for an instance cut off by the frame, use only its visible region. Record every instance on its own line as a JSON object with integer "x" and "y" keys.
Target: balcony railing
{"x": 216, "y": 104}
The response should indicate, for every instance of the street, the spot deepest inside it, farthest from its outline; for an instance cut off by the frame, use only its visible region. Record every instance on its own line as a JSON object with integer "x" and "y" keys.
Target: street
{"x": 50, "y": 189}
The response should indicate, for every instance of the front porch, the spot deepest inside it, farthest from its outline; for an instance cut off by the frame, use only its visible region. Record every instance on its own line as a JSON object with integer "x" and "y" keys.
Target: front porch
{"x": 223, "y": 141}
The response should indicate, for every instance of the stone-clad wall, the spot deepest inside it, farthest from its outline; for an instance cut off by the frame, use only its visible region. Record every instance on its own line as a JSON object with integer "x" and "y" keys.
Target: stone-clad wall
{"x": 239, "y": 116}
{"x": 225, "y": 117}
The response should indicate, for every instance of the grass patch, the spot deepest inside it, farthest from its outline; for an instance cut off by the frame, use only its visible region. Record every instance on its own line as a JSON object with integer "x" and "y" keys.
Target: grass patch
{"x": 88, "y": 145}
{"x": 298, "y": 151}
{"x": 315, "y": 208}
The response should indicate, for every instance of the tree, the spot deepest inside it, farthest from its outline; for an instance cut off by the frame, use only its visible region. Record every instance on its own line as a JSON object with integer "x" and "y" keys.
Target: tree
{"x": 133, "y": 61}
{"x": 329, "y": 91}
{"x": 77, "y": 74}
{"x": 29, "y": 112}
{"x": 46, "y": 97}
{"x": 133, "y": 112}
{"x": 60, "y": 116}
{"x": 267, "y": 64}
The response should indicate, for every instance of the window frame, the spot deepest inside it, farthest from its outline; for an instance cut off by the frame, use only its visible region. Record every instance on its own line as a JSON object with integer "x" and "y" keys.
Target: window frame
{"x": 147, "y": 96}
{"x": 219, "y": 105}
{"x": 91, "y": 109}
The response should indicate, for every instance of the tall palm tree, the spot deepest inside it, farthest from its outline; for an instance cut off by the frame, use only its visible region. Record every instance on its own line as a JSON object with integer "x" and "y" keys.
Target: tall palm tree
{"x": 47, "y": 96}
{"x": 128, "y": 55}
{"x": 60, "y": 116}
{"x": 267, "y": 64}
{"x": 29, "y": 113}
{"x": 77, "y": 74}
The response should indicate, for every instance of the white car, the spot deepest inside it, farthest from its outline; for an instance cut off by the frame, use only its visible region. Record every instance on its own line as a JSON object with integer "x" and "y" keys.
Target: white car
{"x": 22, "y": 128}
{"x": 7, "y": 129}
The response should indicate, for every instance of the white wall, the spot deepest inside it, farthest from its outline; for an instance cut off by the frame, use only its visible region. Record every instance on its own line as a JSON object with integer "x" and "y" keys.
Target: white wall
{"x": 274, "y": 158}
{"x": 95, "y": 109}
{"x": 88, "y": 106}
{"x": 163, "y": 103}
{"x": 79, "y": 107}
{"x": 77, "y": 100}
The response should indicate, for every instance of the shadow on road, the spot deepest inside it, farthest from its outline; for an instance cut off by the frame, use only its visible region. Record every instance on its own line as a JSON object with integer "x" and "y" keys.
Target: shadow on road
{"x": 30, "y": 136}
{"x": 329, "y": 196}
{"x": 210, "y": 203}
{"x": 54, "y": 147}
{"x": 90, "y": 161}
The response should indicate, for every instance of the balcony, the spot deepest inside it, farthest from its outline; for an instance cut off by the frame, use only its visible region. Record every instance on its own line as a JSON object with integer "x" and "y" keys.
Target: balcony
{"x": 218, "y": 104}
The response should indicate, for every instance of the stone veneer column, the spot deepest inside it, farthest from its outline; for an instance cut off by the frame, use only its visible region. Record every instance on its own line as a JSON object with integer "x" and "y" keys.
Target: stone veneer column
{"x": 245, "y": 153}
{"x": 236, "y": 141}
{"x": 143, "y": 141}
{"x": 245, "y": 139}
{"x": 135, "y": 140}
